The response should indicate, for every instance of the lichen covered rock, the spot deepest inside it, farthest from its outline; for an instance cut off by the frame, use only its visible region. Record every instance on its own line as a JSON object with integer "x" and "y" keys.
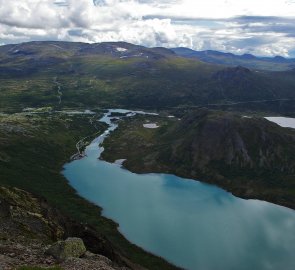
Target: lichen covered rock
{"x": 71, "y": 247}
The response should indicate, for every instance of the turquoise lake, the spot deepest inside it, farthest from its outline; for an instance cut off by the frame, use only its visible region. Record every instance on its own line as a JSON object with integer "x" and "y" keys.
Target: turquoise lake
{"x": 191, "y": 224}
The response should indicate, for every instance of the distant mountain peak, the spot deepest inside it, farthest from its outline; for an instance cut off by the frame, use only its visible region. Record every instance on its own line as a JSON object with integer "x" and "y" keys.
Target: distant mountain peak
{"x": 232, "y": 73}
{"x": 277, "y": 63}
{"x": 248, "y": 56}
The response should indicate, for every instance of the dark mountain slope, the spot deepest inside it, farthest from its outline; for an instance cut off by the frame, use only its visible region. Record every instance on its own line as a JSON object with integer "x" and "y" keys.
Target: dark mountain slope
{"x": 224, "y": 143}
{"x": 242, "y": 84}
{"x": 250, "y": 157}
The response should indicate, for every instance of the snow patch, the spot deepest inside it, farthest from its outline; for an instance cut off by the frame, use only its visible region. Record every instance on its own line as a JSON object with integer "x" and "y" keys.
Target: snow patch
{"x": 151, "y": 125}
{"x": 120, "y": 49}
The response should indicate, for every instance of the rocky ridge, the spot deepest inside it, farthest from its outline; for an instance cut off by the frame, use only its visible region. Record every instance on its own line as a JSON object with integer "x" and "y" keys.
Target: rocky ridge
{"x": 29, "y": 229}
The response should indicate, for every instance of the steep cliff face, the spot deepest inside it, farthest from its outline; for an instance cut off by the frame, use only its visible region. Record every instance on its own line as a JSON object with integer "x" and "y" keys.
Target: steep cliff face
{"x": 226, "y": 144}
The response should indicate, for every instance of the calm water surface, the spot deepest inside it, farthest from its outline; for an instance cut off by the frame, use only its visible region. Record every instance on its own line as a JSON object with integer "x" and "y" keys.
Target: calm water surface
{"x": 191, "y": 224}
{"x": 283, "y": 121}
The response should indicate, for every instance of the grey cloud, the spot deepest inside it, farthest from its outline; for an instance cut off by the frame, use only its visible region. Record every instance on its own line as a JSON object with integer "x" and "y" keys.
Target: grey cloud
{"x": 242, "y": 20}
{"x": 61, "y": 3}
{"x": 253, "y": 41}
{"x": 284, "y": 29}
{"x": 75, "y": 32}
{"x": 260, "y": 19}
{"x": 159, "y": 2}
{"x": 266, "y": 26}
{"x": 99, "y": 2}
{"x": 105, "y": 20}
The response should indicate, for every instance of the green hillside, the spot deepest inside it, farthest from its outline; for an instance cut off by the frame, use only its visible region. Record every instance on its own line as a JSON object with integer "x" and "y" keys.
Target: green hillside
{"x": 126, "y": 75}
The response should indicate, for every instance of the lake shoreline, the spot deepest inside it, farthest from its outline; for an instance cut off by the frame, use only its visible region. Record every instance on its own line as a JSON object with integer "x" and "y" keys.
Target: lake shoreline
{"x": 237, "y": 192}
{"x": 108, "y": 184}
{"x": 241, "y": 187}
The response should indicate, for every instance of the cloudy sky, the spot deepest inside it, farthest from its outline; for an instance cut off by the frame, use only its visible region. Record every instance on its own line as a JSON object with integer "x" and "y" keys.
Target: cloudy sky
{"x": 260, "y": 27}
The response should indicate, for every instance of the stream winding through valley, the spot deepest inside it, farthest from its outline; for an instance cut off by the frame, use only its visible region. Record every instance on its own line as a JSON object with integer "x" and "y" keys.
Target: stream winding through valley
{"x": 191, "y": 224}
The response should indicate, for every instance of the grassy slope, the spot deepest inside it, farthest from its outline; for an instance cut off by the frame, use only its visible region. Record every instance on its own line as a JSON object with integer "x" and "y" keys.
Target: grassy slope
{"x": 104, "y": 80}
{"x": 33, "y": 150}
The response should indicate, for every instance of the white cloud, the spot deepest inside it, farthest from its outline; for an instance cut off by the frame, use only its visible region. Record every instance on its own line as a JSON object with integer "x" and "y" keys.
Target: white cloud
{"x": 260, "y": 27}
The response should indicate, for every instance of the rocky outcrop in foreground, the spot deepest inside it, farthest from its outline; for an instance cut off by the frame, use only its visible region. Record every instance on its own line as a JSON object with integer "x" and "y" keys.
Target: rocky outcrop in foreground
{"x": 71, "y": 247}
{"x": 32, "y": 233}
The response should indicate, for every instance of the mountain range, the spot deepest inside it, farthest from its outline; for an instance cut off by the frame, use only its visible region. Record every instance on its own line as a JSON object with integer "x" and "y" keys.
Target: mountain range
{"x": 277, "y": 63}
{"x": 127, "y": 75}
